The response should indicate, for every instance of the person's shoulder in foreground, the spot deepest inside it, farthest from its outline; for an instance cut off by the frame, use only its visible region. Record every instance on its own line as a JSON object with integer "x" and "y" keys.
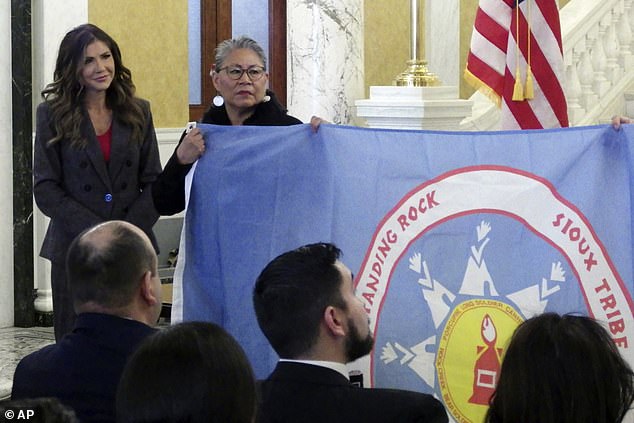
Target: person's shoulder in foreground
{"x": 310, "y": 393}
{"x": 305, "y": 305}
{"x": 113, "y": 275}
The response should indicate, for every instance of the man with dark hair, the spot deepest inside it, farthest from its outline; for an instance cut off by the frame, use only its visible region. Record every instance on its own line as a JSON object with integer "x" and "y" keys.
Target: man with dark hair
{"x": 113, "y": 277}
{"x": 305, "y": 305}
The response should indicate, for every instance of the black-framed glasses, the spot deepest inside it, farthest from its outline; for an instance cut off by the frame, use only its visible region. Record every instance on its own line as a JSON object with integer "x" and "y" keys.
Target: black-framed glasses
{"x": 254, "y": 72}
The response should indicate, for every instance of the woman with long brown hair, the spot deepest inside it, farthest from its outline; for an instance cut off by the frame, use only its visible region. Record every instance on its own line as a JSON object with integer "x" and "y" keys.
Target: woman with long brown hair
{"x": 95, "y": 154}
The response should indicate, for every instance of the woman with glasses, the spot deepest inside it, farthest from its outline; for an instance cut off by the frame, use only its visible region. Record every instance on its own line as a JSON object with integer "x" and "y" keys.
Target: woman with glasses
{"x": 240, "y": 78}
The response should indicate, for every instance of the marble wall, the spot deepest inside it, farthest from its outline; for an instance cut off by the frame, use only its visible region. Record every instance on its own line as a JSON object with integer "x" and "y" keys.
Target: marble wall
{"x": 442, "y": 30}
{"x": 21, "y": 151}
{"x": 325, "y": 58}
{"x": 6, "y": 205}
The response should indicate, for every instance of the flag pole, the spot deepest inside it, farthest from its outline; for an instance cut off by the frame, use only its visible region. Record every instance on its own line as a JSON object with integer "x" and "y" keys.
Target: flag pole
{"x": 416, "y": 74}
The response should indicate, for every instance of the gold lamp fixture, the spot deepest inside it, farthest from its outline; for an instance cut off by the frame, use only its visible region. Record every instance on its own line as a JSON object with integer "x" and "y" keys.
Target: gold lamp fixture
{"x": 416, "y": 74}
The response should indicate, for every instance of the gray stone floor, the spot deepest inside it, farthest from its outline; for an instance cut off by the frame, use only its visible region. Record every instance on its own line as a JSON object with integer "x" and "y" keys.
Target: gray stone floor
{"x": 15, "y": 343}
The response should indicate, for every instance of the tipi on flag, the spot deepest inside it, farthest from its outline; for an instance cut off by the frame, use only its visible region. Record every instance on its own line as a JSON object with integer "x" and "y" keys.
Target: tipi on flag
{"x": 516, "y": 59}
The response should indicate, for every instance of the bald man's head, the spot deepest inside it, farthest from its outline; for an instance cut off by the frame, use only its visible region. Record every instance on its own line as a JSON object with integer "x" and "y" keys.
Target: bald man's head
{"x": 106, "y": 263}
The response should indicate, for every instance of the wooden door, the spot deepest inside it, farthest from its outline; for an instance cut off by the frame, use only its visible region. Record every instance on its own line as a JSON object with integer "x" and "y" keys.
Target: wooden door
{"x": 277, "y": 48}
{"x": 215, "y": 27}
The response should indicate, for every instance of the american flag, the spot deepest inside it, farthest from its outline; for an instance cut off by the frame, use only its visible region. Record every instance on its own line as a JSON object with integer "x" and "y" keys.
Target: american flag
{"x": 498, "y": 61}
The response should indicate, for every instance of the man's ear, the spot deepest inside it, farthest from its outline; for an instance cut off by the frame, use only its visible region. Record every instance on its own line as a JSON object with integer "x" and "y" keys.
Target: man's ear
{"x": 148, "y": 290}
{"x": 335, "y": 321}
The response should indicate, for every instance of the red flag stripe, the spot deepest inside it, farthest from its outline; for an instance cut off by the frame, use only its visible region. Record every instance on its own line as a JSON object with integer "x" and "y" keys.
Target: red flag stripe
{"x": 523, "y": 114}
{"x": 488, "y": 53}
{"x": 491, "y": 30}
{"x": 543, "y": 72}
{"x": 495, "y": 29}
{"x": 550, "y": 14}
{"x": 497, "y": 11}
{"x": 487, "y": 75}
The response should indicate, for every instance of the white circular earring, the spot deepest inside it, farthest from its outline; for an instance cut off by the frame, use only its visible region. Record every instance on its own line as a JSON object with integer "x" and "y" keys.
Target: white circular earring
{"x": 218, "y": 101}
{"x": 266, "y": 98}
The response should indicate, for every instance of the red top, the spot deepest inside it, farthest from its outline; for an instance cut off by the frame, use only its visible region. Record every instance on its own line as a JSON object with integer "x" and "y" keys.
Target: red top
{"x": 105, "y": 141}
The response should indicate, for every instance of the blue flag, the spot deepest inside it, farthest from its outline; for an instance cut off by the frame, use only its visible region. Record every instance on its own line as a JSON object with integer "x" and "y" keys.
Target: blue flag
{"x": 454, "y": 239}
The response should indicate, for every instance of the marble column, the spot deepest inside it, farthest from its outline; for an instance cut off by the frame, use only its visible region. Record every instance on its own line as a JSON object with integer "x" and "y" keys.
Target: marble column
{"x": 325, "y": 58}
{"x": 52, "y": 19}
{"x": 442, "y": 40}
{"x": 6, "y": 166}
{"x": 22, "y": 125}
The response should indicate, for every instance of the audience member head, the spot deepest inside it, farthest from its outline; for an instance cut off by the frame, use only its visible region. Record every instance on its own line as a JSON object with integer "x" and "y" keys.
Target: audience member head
{"x": 239, "y": 76}
{"x": 191, "y": 372}
{"x": 37, "y": 410}
{"x": 562, "y": 369}
{"x": 305, "y": 305}
{"x": 112, "y": 268}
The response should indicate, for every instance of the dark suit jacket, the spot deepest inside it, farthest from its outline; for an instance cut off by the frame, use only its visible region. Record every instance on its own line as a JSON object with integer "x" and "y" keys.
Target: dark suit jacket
{"x": 77, "y": 189}
{"x": 84, "y": 368}
{"x": 297, "y": 392}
